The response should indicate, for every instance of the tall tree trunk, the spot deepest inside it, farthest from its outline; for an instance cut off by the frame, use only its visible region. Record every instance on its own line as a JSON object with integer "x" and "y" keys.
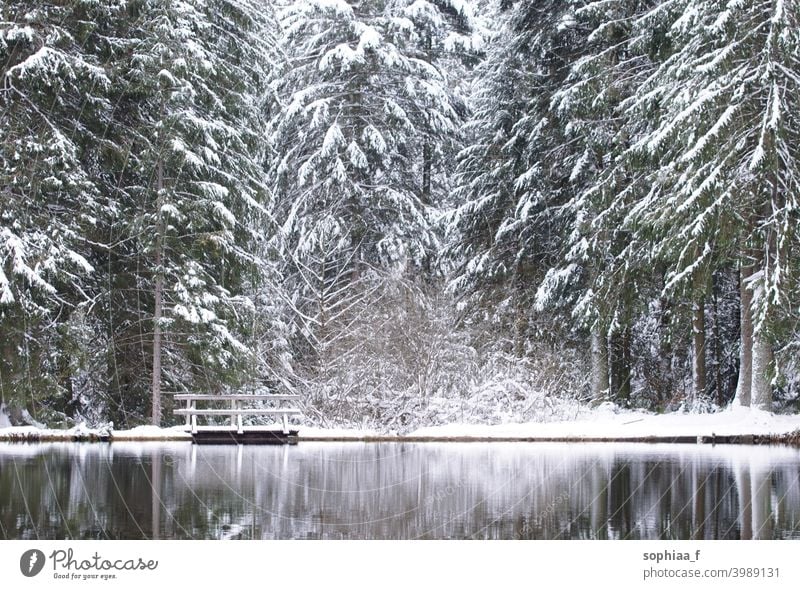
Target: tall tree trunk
{"x": 614, "y": 365}
{"x": 627, "y": 364}
{"x": 520, "y": 331}
{"x": 599, "y": 363}
{"x": 427, "y": 167}
{"x": 620, "y": 348}
{"x": 762, "y": 355}
{"x": 159, "y": 297}
{"x": 67, "y": 403}
{"x": 118, "y": 363}
{"x": 521, "y": 324}
{"x": 699, "y": 348}
{"x": 743, "y": 386}
{"x": 427, "y": 150}
{"x": 665, "y": 381}
{"x": 761, "y": 387}
{"x": 717, "y": 353}
{"x": 620, "y": 364}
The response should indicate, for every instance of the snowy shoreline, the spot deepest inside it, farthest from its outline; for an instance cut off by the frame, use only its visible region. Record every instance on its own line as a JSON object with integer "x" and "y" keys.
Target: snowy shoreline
{"x": 736, "y": 425}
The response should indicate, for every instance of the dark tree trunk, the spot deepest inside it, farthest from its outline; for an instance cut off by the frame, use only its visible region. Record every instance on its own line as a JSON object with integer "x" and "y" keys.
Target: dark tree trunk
{"x": 159, "y": 299}
{"x": 599, "y": 363}
{"x": 665, "y": 381}
{"x": 716, "y": 347}
{"x": 743, "y": 387}
{"x": 620, "y": 364}
{"x": 427, "y": 167}
{"x": 699, "y": 348}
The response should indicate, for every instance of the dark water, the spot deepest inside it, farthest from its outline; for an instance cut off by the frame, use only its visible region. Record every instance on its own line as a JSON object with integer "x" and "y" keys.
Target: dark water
{"x": 398, "y": 491}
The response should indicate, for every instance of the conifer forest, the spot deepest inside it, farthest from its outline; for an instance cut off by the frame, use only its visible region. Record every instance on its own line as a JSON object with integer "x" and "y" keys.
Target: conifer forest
{"x": 410, "y": 212}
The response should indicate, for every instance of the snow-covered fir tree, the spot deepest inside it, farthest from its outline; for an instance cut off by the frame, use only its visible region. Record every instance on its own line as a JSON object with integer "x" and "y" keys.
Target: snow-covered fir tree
{"x": 725, "y": 155}
{"x": 140, "y": 155}
{"x": 400, "y": 208}
{"x": 359, "y": 105}
{"x": 509, "y": 199}
{"x": 368, "y": 118}
{"x": 53, "y": 110}
{"x": 604, "y": 273}
{"x": 197, "y": 81}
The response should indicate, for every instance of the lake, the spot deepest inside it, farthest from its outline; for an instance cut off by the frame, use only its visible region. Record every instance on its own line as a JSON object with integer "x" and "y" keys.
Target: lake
{"x": 359, "y": 490}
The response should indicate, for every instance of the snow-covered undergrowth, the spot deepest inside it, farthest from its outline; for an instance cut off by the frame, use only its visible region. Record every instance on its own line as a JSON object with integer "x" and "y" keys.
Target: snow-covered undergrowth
{"x": 452, "y": 387}
{"x": 503, "y": 397}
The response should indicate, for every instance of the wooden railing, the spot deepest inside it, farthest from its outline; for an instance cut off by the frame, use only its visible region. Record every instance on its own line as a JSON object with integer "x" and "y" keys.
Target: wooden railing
{"x": 237, "y": 409}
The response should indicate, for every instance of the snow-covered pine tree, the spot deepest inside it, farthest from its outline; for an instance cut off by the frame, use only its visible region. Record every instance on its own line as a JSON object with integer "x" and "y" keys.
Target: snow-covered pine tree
{"x": 726, "y": 149}
{"x": 194, "y": 89}
{"x": 448, "y": 35}
{"x": 510, "y": 214}
{"x": 605, "y": 267}
{"x": 358, "y": 105}
{"x": 367, "y": 116}
{"x": 53, "y": 109}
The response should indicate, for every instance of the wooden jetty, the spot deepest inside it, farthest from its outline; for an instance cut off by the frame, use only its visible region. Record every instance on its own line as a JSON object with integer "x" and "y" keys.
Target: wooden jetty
{"x": 239, "y": 406}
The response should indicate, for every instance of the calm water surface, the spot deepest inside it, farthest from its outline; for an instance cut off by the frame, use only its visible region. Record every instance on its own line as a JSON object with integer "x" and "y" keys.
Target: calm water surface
{"x": 398, "y": 491}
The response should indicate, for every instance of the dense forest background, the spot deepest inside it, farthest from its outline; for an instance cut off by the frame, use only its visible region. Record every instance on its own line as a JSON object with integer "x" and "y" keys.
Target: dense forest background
{"x": 409, "y": 211}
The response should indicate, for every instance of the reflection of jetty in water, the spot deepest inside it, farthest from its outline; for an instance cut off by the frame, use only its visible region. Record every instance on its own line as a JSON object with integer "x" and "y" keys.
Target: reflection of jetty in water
{"x": 384, "y": 490}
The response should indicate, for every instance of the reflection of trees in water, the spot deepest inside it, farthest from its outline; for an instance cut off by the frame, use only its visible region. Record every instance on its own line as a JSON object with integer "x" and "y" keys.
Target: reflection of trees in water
{"x": 598, "y": 505}
{"x": 397, "y": 491}
{"x": 756, "y": 484}
{"x": 788, "y": 498}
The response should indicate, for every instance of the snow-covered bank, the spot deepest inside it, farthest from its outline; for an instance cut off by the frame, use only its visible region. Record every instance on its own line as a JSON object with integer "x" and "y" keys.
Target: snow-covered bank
{"x": 603, "y": 423}
{"x": 148, "y": 433}
{"x": 145, "y": 433}
{"x": 82, "y": 433}
{"x": 606, "y": 423}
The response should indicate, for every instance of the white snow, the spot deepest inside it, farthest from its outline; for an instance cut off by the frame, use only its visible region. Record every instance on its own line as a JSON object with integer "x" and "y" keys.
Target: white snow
{"x": 369, "y": 39}
{"x": 16, "y": 34}
{"x": 604, "y": 422}
{"x": 151, "y": 432}
{"x": 4, "y": 422}
{"x": 336, "y": 7}
{"x": 335, "y": 433}
{"x": 34, "y": 433}
{"x": 333, "y": 139}
{"x": 6, "y": 296}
